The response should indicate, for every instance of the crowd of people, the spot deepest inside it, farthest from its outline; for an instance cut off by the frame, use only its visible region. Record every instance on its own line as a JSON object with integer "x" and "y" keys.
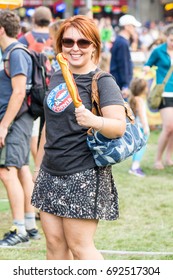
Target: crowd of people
{"x": 70, "y": 191}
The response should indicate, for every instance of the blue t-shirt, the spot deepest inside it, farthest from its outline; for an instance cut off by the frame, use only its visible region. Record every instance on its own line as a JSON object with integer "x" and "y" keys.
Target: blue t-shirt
{"x": 20, "y": 63}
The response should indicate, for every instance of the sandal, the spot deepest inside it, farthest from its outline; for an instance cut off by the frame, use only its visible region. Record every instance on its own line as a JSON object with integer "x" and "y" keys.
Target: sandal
{"x": 158, "y": 166}
{"x": 169, "y": 163}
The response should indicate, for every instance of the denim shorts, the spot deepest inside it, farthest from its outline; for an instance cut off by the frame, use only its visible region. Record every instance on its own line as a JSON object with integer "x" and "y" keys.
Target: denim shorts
{"x": 17, "y": 145}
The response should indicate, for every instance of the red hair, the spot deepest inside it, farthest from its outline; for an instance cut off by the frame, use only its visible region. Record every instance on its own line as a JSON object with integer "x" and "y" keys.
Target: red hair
{"x": 87, "y": 27}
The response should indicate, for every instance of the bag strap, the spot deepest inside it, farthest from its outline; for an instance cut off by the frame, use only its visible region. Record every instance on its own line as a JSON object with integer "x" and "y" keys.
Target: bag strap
{"x": 7, "y": 59}
{"x": 7, "y": 62}
{"x": 168, "y": 75}
{"x": 95, "y": 99}
{"x": 31, "y": 39}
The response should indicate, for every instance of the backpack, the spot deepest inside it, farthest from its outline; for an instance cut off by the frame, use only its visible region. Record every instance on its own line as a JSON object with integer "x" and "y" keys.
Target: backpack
{"x": 37, "y": 46}
{"x": 41, "y": 73}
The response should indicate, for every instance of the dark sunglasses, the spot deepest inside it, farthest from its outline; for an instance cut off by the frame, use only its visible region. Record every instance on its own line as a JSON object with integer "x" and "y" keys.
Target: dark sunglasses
{"x": 81, "y": 43}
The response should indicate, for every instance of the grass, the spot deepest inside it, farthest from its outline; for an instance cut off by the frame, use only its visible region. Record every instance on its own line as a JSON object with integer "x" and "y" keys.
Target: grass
{"x": 145, "y": 222}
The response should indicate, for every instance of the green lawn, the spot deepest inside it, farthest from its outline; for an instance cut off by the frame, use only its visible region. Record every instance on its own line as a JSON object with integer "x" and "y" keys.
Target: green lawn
{"x": 145, "y": 224}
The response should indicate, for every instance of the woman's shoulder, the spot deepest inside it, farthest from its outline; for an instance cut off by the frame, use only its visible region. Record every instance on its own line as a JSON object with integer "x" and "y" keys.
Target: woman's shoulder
{"x": 56, "y": 78}
{"x": 19, "y": 54}
{"x": 99, "y": 73}
{"x": 158, "y": 52}
{"x": 160, "y": 48}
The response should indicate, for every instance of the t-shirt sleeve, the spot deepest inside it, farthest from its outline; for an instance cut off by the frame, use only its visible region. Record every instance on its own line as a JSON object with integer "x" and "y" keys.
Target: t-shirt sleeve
{"x": 109, "y": 92}
{"x": 154, "y": 57}
{"x": 20, "y": 61}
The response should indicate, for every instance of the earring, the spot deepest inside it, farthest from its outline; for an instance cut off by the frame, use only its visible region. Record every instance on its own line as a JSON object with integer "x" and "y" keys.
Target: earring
{"x": 93, "y": 53}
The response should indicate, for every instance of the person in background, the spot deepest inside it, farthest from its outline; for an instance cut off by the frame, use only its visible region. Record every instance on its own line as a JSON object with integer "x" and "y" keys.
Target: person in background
{"x": 72, "y": 193}
{"x": 162, "y": 57}
{"x": 38, "y": 39}
{"x": 15, "y": 133}
{"x": 24, "y": 28}
{"x": 85, "y": 11}
{"x": 160, "y": 40}
{"x": 107, "y": 35}
{"x": 53, "y": 29}
{"x": 121, "y": 66}
{"x": 146, "y": 39}
{"x": 139, "y": 89}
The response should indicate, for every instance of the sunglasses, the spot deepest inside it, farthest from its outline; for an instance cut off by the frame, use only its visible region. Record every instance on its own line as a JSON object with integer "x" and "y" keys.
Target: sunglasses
{"x": 81, "y": 43}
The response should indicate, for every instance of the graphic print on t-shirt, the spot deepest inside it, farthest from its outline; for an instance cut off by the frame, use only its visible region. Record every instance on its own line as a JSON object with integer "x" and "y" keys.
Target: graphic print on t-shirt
{"x": 59, "y": 98}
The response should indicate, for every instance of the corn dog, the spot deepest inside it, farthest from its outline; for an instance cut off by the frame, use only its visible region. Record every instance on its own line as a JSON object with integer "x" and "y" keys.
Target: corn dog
{"x": 70, "y": 82}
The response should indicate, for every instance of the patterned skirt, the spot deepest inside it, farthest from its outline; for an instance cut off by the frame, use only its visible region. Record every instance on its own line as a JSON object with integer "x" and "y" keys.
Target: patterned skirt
{"x": 90, "y": 194}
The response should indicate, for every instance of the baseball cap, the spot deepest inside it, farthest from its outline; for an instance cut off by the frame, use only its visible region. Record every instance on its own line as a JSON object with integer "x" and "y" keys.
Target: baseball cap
{"x": 129, "y": 20}
{"x": 42, "y": 13}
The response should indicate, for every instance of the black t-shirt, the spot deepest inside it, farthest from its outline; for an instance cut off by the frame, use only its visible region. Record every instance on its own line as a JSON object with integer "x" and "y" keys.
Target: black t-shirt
{"x": 66, "y": 150}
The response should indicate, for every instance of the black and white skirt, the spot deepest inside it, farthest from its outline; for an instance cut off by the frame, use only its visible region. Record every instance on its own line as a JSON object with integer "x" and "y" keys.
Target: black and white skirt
{"x": 90, "y": 194}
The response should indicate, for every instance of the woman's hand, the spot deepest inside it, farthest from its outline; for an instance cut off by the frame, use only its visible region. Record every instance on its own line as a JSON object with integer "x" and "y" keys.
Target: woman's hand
{"x": 146, "y": 69}
{"x": 112, "y": 124}
{"x": 86, "y": 118}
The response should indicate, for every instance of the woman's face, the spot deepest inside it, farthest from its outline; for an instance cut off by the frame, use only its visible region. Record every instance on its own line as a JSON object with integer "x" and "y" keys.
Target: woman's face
{"x": 79, "y": 53}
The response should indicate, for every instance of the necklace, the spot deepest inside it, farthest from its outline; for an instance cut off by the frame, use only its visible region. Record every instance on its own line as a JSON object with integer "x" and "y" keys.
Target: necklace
{"x": 76, "y": 77}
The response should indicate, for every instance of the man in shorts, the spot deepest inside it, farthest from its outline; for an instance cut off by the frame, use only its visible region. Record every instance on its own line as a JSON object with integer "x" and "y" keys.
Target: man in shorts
{"x": 38, "y": 39}
{"x": 15, "y": 133}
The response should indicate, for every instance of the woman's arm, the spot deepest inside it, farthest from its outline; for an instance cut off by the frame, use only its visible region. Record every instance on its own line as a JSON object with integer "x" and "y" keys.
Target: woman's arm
{"x": 153, "y": 58}
{"x": 111, "y": 125}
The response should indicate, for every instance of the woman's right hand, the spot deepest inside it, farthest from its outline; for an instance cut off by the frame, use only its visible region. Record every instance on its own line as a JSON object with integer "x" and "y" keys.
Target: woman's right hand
{"x": 146, "y": 68}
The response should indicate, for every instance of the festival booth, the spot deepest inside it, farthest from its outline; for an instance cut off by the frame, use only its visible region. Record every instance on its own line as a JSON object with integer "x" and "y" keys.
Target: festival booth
{"x": 11, "y": 4}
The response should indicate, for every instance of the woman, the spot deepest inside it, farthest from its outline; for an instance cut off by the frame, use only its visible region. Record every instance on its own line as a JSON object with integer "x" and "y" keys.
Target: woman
{"x": 162, "y": 57}
{"x": 71, "y": 192}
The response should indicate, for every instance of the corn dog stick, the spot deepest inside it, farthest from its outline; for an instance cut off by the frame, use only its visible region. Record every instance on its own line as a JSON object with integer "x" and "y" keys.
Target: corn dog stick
{"x": 70, "y": 82}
